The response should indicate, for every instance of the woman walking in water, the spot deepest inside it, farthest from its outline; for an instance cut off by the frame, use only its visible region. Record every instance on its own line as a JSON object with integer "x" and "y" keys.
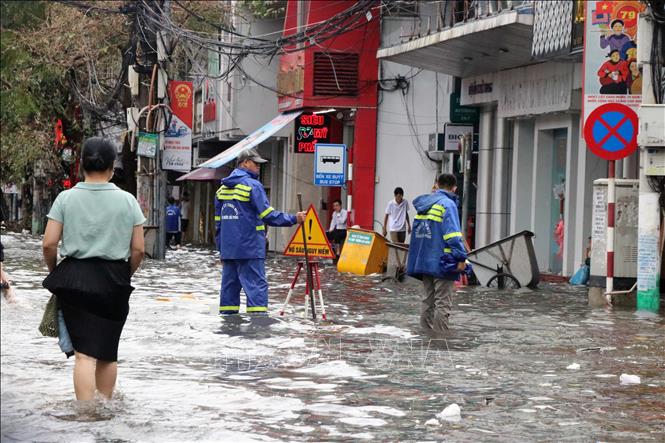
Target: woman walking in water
{"x": 101, "y": 228}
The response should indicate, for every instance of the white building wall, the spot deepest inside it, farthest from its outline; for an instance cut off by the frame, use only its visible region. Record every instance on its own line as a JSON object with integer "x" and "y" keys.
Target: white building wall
{"x": 485, "y": 177}
{"x": 502, "y": 151}
{"x": 522, "y": 176}
{"x": 404, "y": 124}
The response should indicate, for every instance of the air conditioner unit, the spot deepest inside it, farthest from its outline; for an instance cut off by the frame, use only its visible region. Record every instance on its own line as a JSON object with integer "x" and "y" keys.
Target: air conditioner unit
{"x": 436, "y": 142}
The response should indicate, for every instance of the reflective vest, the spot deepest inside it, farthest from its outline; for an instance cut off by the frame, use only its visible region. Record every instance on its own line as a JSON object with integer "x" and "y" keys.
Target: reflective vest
{"x": 436, "y": 239}
{"x": 242, "y": 212}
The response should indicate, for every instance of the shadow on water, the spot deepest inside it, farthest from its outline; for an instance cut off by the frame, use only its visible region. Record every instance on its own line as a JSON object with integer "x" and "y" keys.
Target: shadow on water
{"x": 523, "y": 365}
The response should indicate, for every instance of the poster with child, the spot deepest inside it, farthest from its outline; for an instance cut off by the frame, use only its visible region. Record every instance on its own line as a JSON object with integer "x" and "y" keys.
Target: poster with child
{"x": 611, "y": 72}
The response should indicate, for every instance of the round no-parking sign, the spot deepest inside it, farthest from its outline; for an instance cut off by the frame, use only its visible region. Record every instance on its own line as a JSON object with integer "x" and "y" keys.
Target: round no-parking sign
{"x": 610, "y": 131}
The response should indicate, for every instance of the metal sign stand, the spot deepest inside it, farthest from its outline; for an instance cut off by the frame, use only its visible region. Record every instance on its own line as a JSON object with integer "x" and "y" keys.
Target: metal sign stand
{"x": 313, "y": 268}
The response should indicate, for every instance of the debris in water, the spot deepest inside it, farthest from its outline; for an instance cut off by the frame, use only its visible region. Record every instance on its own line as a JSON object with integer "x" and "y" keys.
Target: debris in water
{"x": 629, "y": 379}
{"x": 451, "y": 413}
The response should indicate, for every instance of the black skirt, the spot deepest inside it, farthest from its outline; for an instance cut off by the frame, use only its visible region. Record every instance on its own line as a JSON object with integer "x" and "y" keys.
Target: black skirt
{"x": 94, "y": 297}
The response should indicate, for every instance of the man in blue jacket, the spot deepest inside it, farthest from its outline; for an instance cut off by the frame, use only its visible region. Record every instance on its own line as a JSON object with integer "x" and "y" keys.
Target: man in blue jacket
{"x": 437, "y": 253}
{"x": 242, "y": 212}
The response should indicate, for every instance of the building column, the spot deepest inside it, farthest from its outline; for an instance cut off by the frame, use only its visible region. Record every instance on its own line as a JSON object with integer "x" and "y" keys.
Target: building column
{"x": 485, "y": 168}
{"x": 522, "y": 176}
{"x": 364, "y": 168}
{"x": 500, "y": 180}
{"x": 541, "y": 200}
{"x": 571, "y": 246}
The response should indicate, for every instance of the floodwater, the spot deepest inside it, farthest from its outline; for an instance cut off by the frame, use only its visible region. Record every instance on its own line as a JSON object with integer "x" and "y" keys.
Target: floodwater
{"x": 523, "y": 366}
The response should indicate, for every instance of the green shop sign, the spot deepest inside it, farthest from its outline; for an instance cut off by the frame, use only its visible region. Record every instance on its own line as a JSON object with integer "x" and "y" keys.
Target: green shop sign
{"x": 461, "y": 114}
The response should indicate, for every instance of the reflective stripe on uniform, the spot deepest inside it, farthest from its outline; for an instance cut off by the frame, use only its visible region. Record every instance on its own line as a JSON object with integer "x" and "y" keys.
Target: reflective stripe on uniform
{"x": 447, "y": 250}
{"x": 428, "y": 217}
{"x": 218, "y": 218}
{"x": 437, "y": 210}
{"x": 257, "y": 309}
{"x": 261, "y": 228}
{"x": 434, "y": 213}
{"x": 266, "y": 212}
{"x": 451, "y": 235}
{"x": 229, "y": 308}
{"x": 238, "y": 192}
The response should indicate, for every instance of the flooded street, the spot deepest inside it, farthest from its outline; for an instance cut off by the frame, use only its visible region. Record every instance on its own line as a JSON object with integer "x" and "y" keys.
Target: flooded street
{"x": 523, "y": 366}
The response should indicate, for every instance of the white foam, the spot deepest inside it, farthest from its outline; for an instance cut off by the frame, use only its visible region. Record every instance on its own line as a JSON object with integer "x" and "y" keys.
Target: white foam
{"x": 432, "y": 422}
{"x": 288, "y": 384}
{"x": 382, "y": 330}
{"x": 605, "y": 375}
{"x": 629, "y": 379}
{"x": 540, "y": 399}
{"x": 528, "y": 411}
{"x": 333, "y": 369}
{"x": 363, "y": 421}
{"x": 573, "y": 366}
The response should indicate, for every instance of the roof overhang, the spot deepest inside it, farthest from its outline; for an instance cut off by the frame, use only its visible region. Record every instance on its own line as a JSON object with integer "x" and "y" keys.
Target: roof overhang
{"x": 494, "y": 43}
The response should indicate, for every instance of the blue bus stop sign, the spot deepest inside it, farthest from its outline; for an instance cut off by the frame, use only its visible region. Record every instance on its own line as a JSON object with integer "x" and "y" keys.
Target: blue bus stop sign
{"x": 610, "y": 131}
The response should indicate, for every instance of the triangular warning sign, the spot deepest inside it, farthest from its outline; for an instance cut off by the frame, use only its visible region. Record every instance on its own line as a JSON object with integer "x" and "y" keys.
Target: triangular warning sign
{"x": 317, "y": 242}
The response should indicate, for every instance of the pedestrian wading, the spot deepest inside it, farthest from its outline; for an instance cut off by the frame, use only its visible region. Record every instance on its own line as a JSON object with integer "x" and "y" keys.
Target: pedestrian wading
{"x": 437, "y": 254}
{"x": 101, "y": 228}
{"x": 242, "y": 212}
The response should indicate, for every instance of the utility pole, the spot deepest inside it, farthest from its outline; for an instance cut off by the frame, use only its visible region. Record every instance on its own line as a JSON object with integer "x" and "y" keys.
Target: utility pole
{"x": 649, "y": 252}
{"x": 150, "y": 179}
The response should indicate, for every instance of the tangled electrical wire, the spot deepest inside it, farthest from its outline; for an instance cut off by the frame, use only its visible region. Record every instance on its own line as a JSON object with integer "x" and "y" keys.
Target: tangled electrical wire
{"x": 657, "y": 64}
{"x": 150, "y": 21}
{"x": 244, "y": 45}
{"x": 657, "y": 56}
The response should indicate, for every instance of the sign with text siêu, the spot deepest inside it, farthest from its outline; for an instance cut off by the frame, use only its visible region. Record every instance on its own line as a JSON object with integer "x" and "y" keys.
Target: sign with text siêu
{"x": 311, "y": 129}
{"x": 330, "y": 164}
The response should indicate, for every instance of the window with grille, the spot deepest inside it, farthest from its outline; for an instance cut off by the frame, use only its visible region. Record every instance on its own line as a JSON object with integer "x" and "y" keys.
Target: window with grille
{"x": 335, "y": 73}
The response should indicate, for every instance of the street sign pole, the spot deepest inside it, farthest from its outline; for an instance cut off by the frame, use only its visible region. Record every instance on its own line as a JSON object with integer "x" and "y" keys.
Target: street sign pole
{"x": 610, "y": 132}
{"x": 308, "y": 267}
{"x": 611, "y": 197}
{"x": 465, "y": 141}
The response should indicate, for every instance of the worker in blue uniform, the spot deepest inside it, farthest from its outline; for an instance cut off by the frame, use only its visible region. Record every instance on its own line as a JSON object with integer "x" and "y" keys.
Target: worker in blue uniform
{"x": 437, "y": 254}
{"x": 242, "y": 212}
{"x": 173, "y": 223}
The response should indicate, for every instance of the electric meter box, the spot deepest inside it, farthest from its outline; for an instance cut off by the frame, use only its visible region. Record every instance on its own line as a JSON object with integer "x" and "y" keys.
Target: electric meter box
{"x": 651, "y": 131}
{"x": 625, "y": 234}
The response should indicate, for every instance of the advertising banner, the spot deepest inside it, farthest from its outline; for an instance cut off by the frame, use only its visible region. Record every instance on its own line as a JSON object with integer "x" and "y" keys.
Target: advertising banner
{"x": 611, "y": 73}
{"x": 177, "y": 155}
{"x": 147, "y": 146}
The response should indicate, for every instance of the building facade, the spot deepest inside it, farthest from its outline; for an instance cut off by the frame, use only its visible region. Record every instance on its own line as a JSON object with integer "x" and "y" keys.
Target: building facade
{"x": 534, "y": 171}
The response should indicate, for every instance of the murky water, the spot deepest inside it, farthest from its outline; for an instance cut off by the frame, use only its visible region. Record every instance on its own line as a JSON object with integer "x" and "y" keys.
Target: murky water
{"x": 187, "y": 375}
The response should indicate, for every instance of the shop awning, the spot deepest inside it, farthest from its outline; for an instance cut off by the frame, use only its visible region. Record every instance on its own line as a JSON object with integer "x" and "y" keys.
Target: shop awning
{"x": 487, "y": 44}
{"x": 203, "y": 174}
{"x": 250, "y": 141}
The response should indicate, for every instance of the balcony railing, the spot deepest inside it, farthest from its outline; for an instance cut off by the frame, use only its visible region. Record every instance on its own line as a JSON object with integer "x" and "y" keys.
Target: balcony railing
{"x": 558, "y": 29}
{"x": 465, "y": 10}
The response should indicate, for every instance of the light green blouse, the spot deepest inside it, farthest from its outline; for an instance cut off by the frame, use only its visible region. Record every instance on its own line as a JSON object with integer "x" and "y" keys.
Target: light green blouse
{"x": 98, "y": 220}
